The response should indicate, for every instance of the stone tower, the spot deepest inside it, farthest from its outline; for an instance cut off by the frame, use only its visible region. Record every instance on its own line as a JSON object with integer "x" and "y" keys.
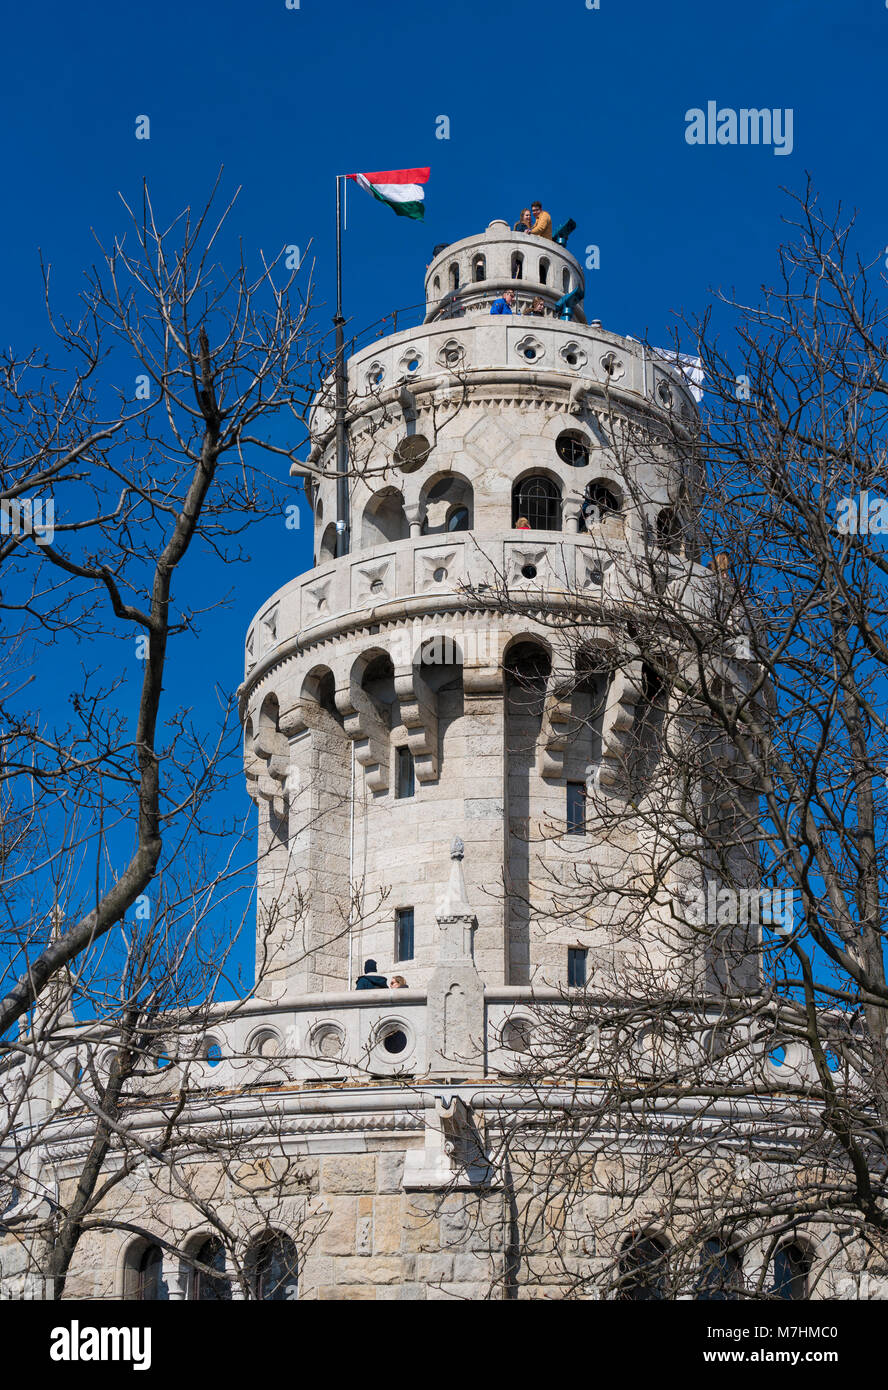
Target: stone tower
{"x": 384, "y": 701}
{"x": 441, "y": 745}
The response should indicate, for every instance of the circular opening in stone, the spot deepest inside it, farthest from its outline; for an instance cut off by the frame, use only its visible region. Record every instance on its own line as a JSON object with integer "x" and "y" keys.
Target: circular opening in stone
{"x": 516, "y": 1035}
{"x": 570, "y": 358}
{"x": 777, "y": 1056}
{"x": 611, "y": 363}
{"x": 164, "y": 1060}
{"x": 833, "y": 1060}
{"x": 412, "y": 452}
{"x": 572, "y": 447}
{"x": 377, "y": 586}
{"x": 267, "y": 1045}
{"x": 439, "y": 575}
{"x": 413, "y": 364}
{"x": 213, "y": 1054}
{"x": 395, "y": 1041}
{"x": 328, "y": 1042}
{"x": 452, "y": 356}
{"x": 529, "y": 571}
{"x": 530, "y": 353}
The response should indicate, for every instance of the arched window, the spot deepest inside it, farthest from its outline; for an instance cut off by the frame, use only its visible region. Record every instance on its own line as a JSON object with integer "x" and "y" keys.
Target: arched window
{"x": 436, "y": 284}
{"x": 669, "y": 530}
{"x": 538, "y": 500}
{"x": 149, "y": 1285}
{"x": 328, "y": 545}
{"x": 272, "y": 1267}
{"x": 721, "y": 1274}
{"x": 479, "y": 268}
{"x": 210, "y": 1284}
{"x": 544, "y": 270}
{"x": 643, "y": 1270}
{"x": 599, "y": 503}
{"x": 384, "y": 518}
{"x": 791, "y": 1267}
{"x": 565, "y": 280}
{"x": 458, "y": 520}
{"x": 454, "y": 276}
{"x": 447, "y": 504}
{"x": 517, "y": 265}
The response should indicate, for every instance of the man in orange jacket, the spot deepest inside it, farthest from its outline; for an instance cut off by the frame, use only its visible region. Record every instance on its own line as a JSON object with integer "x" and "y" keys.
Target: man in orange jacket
{"x": 542, "y": 222}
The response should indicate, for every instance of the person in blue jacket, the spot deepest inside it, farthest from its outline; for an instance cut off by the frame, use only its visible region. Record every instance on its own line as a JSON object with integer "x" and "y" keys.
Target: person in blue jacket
{"x": 503, "y": 305}
{"x": 369, "y": 979}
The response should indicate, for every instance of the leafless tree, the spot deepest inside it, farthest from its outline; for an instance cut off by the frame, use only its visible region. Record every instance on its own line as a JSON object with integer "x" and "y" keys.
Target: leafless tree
{"x": 713, "y": 1100}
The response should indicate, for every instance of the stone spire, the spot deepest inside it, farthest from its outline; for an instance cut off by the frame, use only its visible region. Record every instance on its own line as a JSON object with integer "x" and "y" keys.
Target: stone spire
{"x": 455, "y": 1010}
{"x": 456, "y": 920}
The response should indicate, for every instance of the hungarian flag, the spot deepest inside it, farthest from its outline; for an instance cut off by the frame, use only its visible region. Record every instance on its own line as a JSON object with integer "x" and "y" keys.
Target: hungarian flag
{"x": 401, "y": 189}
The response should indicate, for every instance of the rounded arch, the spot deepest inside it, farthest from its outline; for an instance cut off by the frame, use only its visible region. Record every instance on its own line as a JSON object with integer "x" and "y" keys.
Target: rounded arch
{"x": 643, "y": 1268}
{"x": 721, "y": 1272}
{"x": 565, "y": 281}
{"x": 602, "y": 501}
{"x": 545, "y": 267}
{"x": 271, "y": 1264}
{"x": 536, "y": 498}
{"x": 384, "y": 518}
{"x": 791, "y": 1265}
{"x": 453, "y": 275}
{"x": 479, "y": 267}
{"x": 517, "y": 266}
{"x": 141, "y": 1272}
{"x": 447, "y": 500}
{"x": 205, "y": 1269}
{"x": 328, "y": 544}
{"x": 368, "y": 663}
{"x": 319, "y": 686}
{"x": 269, "y": 711}
{"x": 669, "y": 531}
{"x": 527, "y": 662}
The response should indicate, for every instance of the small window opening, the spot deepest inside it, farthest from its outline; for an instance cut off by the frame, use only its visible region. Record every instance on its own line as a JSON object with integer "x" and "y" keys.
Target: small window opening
{"x": 405, "y": 778}
{"x": 404, "y": 927}
{"x": 576, "y": 808}
{"x": 576, "y": 967}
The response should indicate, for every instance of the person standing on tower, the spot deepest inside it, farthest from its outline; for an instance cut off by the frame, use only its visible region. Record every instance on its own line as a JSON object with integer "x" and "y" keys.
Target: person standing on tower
{"x": 504, "y": 304}
{"x": 542, "y": 222}
{"x": 369, "y": 979}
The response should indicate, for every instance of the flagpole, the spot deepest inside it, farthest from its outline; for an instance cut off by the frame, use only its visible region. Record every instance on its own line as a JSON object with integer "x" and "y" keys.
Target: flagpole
{"x": 342, "y": 504}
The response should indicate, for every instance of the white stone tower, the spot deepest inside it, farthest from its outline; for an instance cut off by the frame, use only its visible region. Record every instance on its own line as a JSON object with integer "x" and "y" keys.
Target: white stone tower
{"x": 385, "y": 701}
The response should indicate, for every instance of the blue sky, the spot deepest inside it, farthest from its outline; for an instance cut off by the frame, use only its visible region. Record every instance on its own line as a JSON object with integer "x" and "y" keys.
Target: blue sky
{"x": 582, "y": 108}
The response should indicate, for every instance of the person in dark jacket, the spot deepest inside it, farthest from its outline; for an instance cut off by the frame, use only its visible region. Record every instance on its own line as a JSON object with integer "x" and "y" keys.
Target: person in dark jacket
{"x": 369, "y": 979}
